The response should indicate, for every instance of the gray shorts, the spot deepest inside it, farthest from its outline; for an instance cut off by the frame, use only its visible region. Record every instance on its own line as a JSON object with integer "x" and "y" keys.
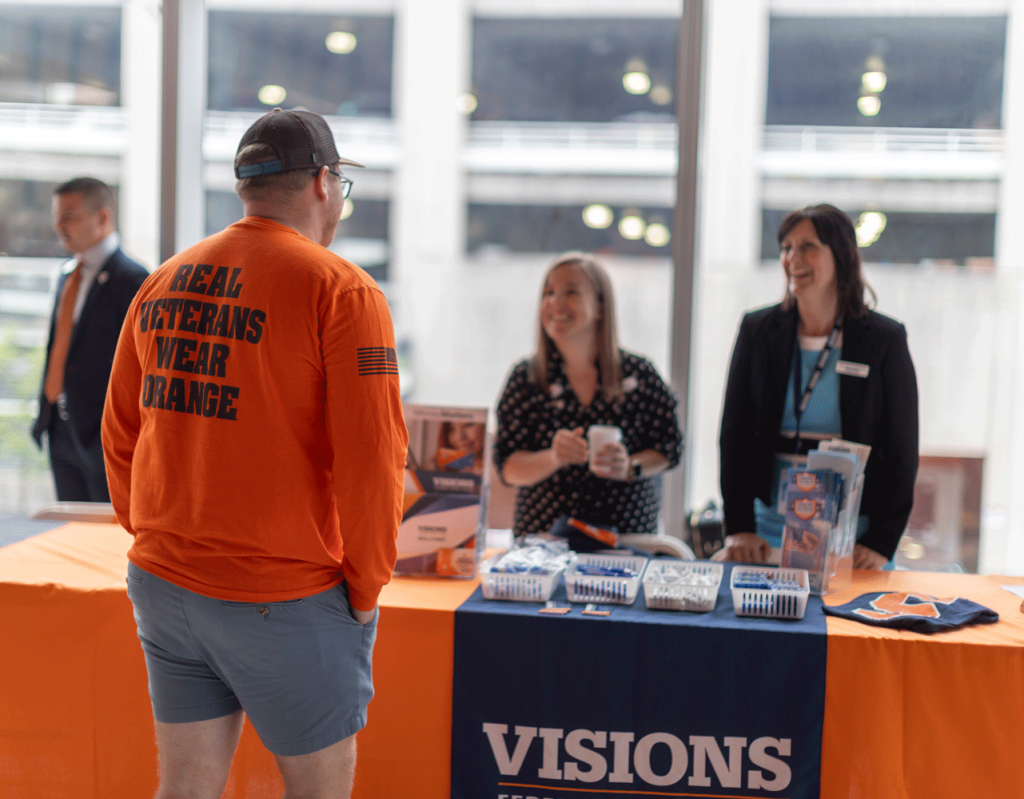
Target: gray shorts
{"x": 300, "y": 669}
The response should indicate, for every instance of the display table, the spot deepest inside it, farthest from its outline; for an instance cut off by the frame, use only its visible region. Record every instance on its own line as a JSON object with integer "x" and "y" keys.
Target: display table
{"x": 905, "y": 715}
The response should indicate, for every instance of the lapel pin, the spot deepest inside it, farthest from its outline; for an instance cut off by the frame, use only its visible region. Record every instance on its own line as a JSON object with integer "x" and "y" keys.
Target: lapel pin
{"x": 102, "y": 277}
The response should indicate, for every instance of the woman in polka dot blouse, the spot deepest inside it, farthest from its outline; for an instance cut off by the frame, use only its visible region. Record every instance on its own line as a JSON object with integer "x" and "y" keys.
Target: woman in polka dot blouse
{"x": 579, "y": 377}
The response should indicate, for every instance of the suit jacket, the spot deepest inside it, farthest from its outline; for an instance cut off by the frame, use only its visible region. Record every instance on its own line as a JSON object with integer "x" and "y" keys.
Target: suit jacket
{"x": 879, "y": 410}
{"x": 91, "y": 349}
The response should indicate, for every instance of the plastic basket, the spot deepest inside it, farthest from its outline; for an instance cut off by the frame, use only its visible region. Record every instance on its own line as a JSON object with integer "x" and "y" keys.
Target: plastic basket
{"x": 682, "y": 594}
{"x": 516, "y": 586}
{"x": 601, "y": 588}
{"x": 774, "y": 602}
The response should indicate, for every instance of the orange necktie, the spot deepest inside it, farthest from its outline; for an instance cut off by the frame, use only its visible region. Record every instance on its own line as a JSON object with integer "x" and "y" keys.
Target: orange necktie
{"x": 54, "y": 383}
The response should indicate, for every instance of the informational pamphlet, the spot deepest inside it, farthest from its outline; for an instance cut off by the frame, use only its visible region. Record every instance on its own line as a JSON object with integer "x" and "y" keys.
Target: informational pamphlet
{"x": 821, "y": 513}
{"x": 444, "y": 517}
{"x": 813, "y": 497}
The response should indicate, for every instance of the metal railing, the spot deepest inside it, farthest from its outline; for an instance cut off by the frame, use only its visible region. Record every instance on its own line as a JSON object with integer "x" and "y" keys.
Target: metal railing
{"x": 822, "y": 139}
{"x": 625, "y": 136}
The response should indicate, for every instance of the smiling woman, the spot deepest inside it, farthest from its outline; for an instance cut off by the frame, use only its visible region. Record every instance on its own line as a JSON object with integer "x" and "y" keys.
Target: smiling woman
{"x": 577, "y": 380}
{"x": 774, "y": 412}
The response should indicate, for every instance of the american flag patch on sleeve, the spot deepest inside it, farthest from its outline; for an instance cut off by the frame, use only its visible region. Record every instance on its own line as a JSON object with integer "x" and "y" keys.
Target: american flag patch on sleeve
{"x": 377, "y": 360}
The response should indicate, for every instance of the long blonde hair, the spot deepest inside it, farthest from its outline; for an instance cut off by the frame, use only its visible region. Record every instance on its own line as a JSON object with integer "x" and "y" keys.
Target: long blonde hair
{"x": 608, "y": 360}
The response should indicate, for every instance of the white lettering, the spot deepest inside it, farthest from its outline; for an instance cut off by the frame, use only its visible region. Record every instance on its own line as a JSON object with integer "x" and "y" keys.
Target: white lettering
{"x": 642, "y": 758}
{"x": 549, "y": 769}
{"x": 705, "y": 747}
{"x": 586, "y": 758}
{"x": 574, "y": 748}
{"x": 760, "y": 757}
{"x": 496, "y": 736}
{"x": 620, "y": 762}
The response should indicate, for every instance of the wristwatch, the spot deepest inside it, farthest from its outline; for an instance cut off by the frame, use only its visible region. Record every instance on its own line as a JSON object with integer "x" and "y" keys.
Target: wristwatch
{"x": 636, "y": 470}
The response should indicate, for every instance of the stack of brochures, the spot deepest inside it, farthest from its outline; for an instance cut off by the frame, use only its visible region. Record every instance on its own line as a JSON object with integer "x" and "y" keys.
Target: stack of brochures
{"x": 821, "y": 506}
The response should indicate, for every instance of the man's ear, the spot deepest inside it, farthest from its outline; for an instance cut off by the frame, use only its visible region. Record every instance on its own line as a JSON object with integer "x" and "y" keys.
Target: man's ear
{"x": 319, "y": 183}
{"x": 106, "y": 214}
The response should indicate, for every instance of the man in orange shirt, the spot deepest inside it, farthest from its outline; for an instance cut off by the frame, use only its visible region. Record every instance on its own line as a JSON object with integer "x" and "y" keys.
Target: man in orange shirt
{"x": 255, "y": 448}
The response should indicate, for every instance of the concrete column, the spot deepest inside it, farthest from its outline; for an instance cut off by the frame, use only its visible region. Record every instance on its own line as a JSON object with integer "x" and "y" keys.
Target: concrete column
{"x": 1002, "y": 518}
{"x": 729, "y": 215}
{"x": 140, "y": 163}
{"x": 182, "y": 198}
{"x": 428, "y": 206}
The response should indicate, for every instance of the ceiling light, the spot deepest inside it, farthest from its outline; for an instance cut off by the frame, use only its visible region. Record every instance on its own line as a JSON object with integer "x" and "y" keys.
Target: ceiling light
{"x": 661, "y": 95}
{"x": 466, "y": 103}
{"x": 636, "y": 82}
{"x": 873, "y": 81}
{"x": 632, "y": 226}
{"x": 272, "y": 94}
{"x": 869, "y": 105}
{"x": 340, "y": 42}
{"x": 598, "y": 216}
{"x": 657, "y": 234}
{"x": 869, "y": 227}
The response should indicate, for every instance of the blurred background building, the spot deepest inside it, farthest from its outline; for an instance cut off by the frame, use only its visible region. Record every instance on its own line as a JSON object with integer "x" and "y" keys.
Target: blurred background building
{"x": 498, "y": 133}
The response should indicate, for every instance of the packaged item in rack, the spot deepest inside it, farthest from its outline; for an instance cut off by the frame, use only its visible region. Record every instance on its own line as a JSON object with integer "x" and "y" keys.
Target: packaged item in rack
{"x": 682, "y": 585}
{"x": 768, "y": 591}
{"x": 528, "y": 572}
{"x": 604, "y": 578}
{"x": 443, "y": 522}
{"x": 813, "y": 499}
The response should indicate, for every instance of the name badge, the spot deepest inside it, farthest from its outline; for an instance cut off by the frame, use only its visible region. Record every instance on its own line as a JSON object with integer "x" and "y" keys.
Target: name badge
{"x": 852, "y": 369}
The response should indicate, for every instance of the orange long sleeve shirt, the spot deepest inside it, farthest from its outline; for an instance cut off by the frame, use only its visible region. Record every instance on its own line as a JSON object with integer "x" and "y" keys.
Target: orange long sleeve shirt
{"x": 253, "y": 429}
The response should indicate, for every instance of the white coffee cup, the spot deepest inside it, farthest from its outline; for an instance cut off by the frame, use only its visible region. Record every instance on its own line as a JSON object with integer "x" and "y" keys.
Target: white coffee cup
{"x": 600, "y": 434}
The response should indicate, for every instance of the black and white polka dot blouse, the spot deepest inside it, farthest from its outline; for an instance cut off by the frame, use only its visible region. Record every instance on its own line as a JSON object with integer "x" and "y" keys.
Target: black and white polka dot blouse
{"x": 528, "y": 418}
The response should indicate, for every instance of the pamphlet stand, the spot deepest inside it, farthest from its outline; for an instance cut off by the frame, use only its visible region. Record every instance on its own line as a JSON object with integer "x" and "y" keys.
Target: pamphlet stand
{"x": 443, "y": 530}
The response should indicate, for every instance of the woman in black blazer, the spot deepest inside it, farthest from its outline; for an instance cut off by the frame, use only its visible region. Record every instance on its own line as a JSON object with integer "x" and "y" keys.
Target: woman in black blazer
{"x": 867, "y": 392}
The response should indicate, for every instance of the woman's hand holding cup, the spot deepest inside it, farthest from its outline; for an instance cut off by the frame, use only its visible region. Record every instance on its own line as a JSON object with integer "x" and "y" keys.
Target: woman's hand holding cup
{"x": 608, "y": 457}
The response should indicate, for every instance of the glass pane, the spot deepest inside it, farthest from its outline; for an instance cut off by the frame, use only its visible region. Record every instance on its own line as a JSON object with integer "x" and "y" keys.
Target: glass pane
{"x": 886, "y": 71}
{"x": 63, "y": 113}
{"x": 574, "y": 70}
{"x": 571, "y": 145}
{"x": 333, "y": 65}
{"x": 899, "y": 121}
{"x": 337, "y": 65}
{"x": 60, "y": 55}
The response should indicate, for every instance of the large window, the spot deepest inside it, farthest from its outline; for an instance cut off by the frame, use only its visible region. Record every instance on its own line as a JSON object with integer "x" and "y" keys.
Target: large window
{"x": 943, "y": 72}
{"x": 60, "y": 55}
{"x": 574, "y": 70}
{"x": 335, "y": 65}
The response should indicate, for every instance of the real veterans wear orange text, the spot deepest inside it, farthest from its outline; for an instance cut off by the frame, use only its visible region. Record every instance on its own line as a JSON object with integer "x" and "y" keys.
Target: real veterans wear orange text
{"x": 181, "y": 354}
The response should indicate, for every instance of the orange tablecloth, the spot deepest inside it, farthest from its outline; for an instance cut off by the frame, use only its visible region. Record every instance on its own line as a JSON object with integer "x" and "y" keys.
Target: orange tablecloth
{"x": 911, "y": 716}
{"x": 906, "y": 716}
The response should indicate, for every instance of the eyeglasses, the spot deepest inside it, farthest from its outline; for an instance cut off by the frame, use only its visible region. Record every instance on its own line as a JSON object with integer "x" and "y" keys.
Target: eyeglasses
{"x": 346, "y": 184}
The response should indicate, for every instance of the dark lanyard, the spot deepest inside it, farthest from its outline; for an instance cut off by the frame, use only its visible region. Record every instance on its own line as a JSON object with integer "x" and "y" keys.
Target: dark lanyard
{"x": 800, "y": 401}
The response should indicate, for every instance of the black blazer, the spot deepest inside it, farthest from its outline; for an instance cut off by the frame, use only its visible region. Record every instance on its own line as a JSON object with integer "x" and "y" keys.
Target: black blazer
{"x": 91, "y": 350}
{"x": 879, "y": 410}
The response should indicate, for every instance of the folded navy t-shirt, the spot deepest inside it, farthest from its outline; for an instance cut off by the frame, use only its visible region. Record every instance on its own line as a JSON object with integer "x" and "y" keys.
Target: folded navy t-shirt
{"x": 909, "y": 610}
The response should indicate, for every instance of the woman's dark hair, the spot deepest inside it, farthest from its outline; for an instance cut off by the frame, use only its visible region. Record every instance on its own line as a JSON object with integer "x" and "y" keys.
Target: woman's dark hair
{"x": 835, "y": 229}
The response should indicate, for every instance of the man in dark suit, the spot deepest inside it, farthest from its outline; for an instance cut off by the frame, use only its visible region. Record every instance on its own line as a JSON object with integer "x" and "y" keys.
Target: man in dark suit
{"x": 93, "y": 295}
